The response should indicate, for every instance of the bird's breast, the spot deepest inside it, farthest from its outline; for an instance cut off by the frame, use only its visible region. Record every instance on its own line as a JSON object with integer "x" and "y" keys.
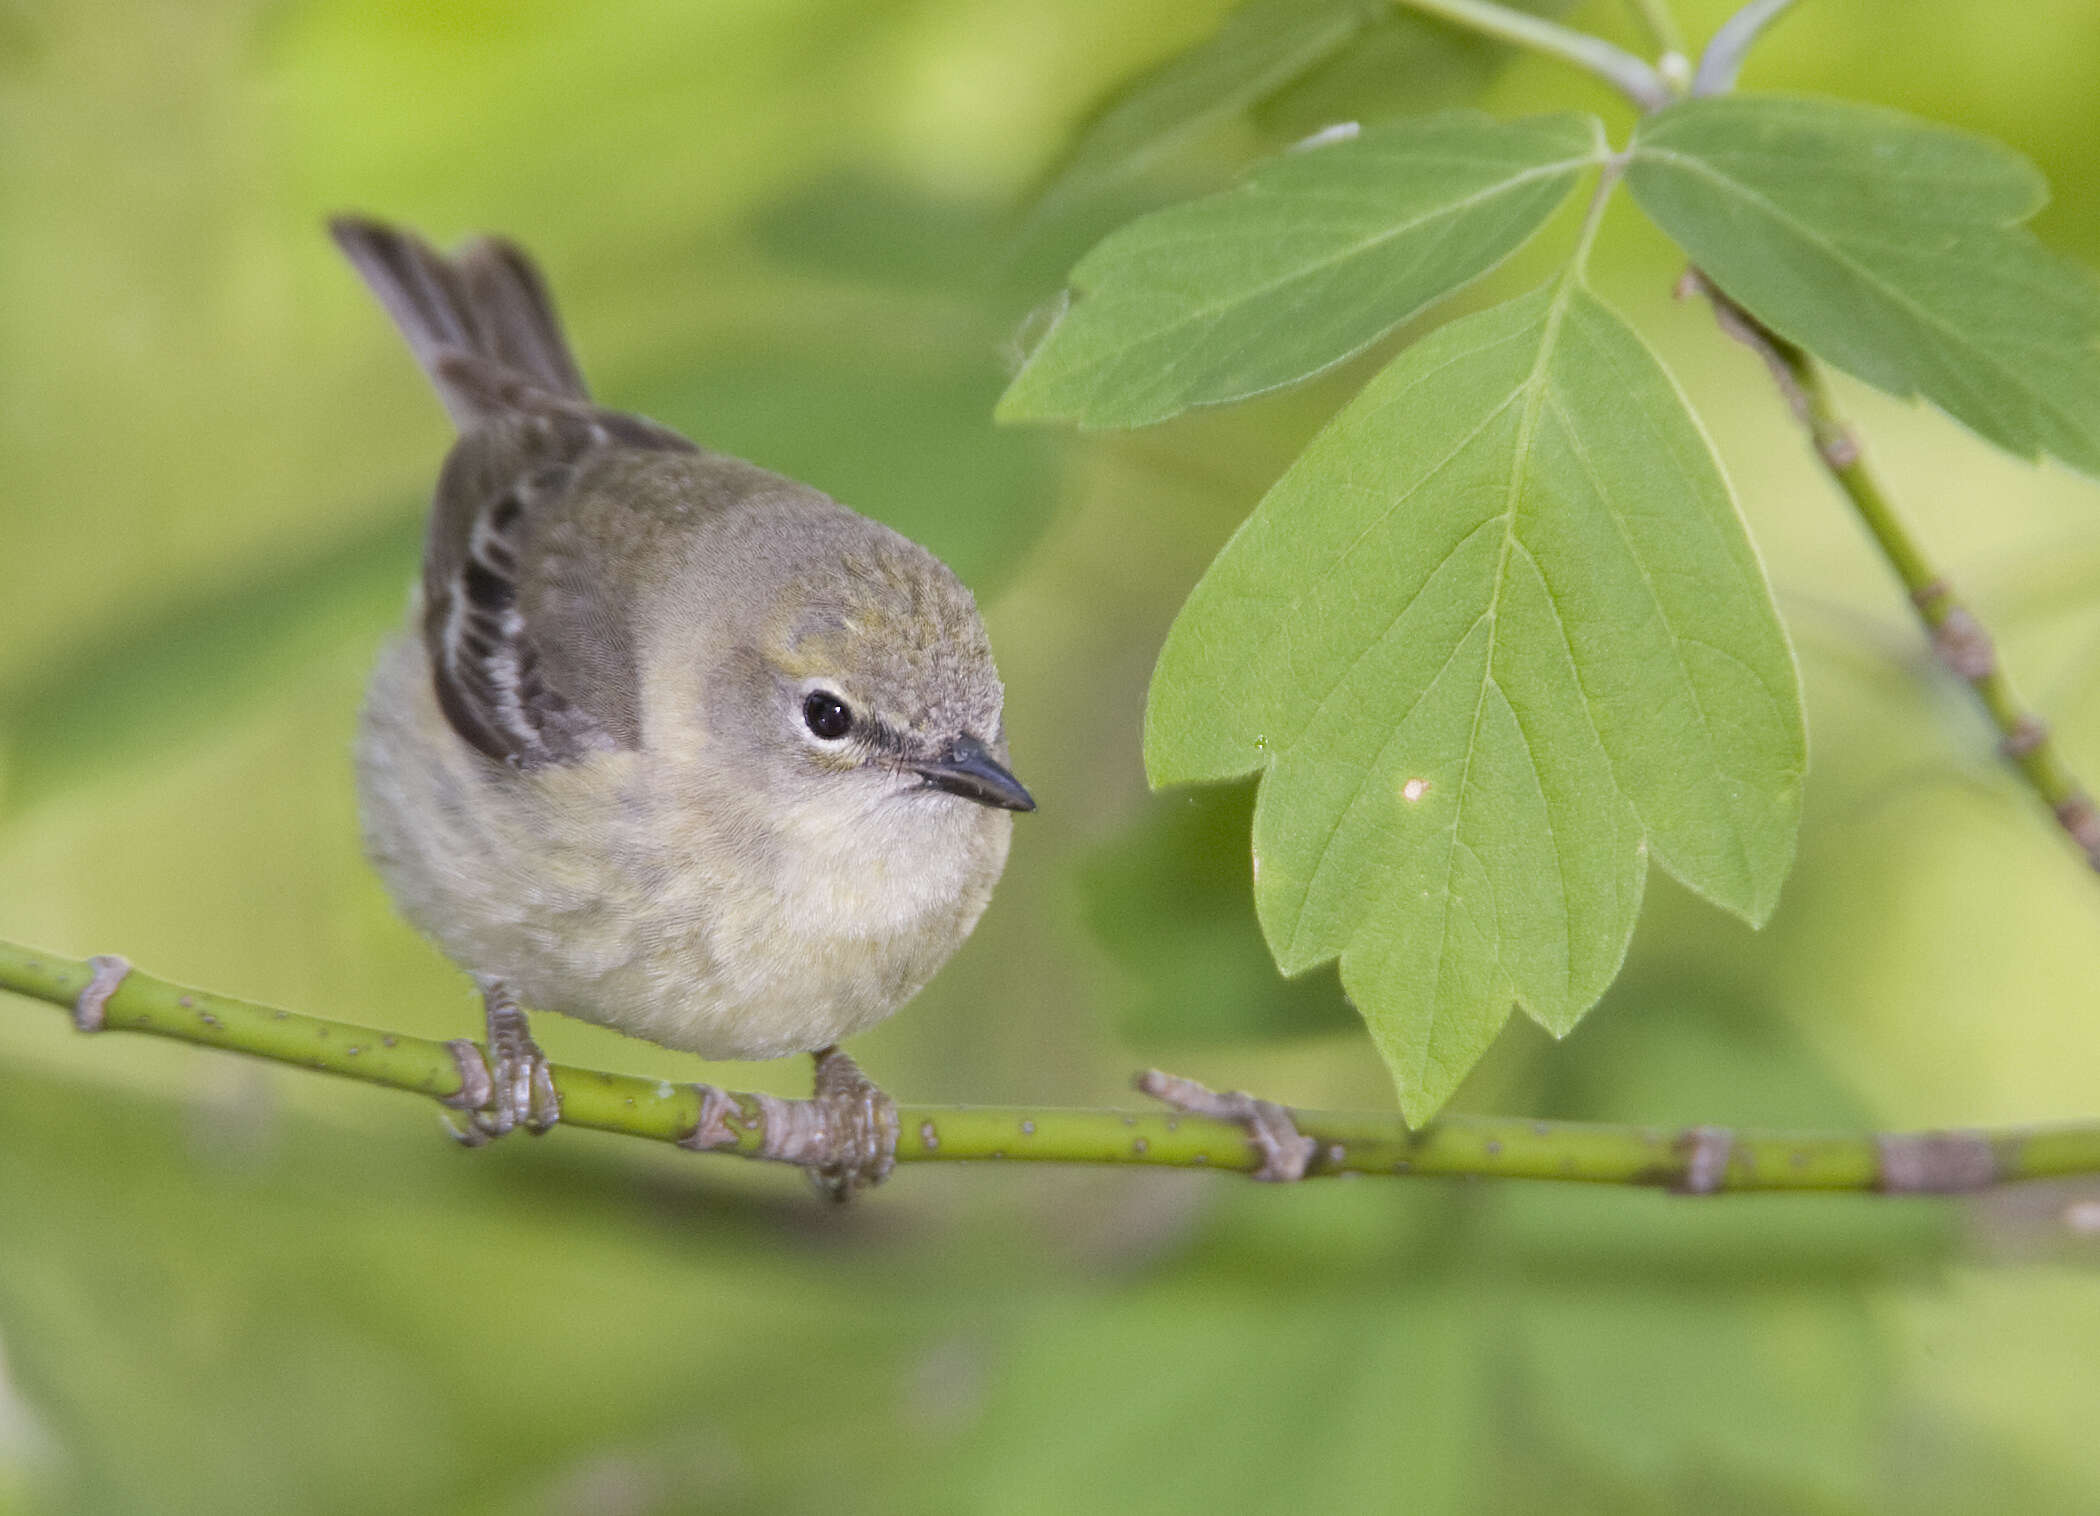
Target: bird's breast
{"x": 613, "y": 890}
{"x": 756, "y": 935}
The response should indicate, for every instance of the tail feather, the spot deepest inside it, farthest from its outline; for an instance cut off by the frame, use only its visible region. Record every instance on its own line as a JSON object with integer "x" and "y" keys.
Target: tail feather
{"x": 505, "y": 289}
{"x": 486, "y": 308}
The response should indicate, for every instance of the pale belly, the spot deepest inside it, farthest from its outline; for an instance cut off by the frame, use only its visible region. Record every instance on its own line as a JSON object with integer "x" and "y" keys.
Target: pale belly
{"x": 587, "y": 892}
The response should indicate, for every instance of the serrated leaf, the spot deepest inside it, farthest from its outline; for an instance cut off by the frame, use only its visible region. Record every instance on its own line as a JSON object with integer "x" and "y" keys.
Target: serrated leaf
{"x": 1496, "y": 635}
{"x": 1311, "y": 259}
{"x": 1260, "y": 48}
{"x": 1893, "y": 248}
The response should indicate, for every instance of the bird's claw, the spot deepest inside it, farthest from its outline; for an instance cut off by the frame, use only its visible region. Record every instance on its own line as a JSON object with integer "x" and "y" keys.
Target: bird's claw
{"x": 512, "y": 1087}
{"x": 844, "y": 1137}
{"x": 474, "y": 1092}
{"x": 1285, "y": 1151}
{"x": 859, "y": 1143}
{"x": 524, "y": 1093}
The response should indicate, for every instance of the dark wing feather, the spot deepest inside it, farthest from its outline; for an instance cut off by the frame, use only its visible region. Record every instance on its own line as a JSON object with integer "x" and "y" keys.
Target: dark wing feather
{"x": 530, "y": 666}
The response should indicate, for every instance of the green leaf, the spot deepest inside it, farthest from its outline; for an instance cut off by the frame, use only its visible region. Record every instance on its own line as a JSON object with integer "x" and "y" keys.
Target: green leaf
{"x": 1891, "y": 247}
{"x": 1313, "y": 258}
{"x": 1259, "y": 49}
{"x": 1405, "y": 63}
{"x": 1497, "y": 634}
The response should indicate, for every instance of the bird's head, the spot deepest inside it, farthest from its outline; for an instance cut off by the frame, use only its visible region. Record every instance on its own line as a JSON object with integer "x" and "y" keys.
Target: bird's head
{"x": 870, "y": 685}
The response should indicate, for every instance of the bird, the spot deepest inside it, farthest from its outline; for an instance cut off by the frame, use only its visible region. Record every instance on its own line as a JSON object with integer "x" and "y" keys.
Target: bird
{"x": 669, "y": 742}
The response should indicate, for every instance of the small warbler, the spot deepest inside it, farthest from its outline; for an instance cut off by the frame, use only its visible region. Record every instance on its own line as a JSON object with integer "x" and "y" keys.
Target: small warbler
{"x": 670, "y": 743}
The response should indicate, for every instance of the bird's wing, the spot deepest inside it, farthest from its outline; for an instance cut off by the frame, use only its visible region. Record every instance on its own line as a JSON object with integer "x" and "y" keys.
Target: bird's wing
{"x": 528, "y": 610}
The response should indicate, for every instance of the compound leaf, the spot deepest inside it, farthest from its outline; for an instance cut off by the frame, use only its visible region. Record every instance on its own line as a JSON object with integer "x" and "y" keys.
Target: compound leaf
{"x": 1497, "y": 635}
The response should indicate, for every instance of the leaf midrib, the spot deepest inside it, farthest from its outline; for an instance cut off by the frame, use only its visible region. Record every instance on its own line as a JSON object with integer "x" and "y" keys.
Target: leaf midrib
{"x": 1530, "y": 388}
{"x": 1533, "y": 389}
{"x": 1195, "y": 315}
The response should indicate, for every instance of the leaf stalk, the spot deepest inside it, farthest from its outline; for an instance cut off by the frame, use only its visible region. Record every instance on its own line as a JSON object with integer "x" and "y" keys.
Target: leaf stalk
{"x": 1593, "y": 217}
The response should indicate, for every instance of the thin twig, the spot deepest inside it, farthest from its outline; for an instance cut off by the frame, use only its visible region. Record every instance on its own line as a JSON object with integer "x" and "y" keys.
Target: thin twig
{"x": 1630, "y": 76}
{"x": 1959, "y": 639}
{"x": 1724, "y": 55}
{"x": 1693, "y": 1161}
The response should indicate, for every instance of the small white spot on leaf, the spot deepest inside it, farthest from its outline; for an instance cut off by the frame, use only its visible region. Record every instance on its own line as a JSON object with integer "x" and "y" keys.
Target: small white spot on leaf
{"x": 1340, "y": 131}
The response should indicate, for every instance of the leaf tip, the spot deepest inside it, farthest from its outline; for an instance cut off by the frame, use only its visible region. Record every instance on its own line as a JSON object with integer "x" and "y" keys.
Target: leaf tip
{"x": 1013, "y": 408}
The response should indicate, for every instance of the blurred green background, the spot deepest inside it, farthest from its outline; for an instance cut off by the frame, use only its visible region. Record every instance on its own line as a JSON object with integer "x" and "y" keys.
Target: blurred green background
{"x": 796, "y": 229}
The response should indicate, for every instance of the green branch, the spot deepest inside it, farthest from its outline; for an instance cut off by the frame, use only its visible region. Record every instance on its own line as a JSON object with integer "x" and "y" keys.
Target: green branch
{"x": 1629, "y": 75}
{"x": 1959, "y": 639}
{"x": 1696, "y": 1160}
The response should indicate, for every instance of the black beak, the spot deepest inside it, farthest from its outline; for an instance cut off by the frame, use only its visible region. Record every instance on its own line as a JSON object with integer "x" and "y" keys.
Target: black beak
{"x": 966, "y": 769}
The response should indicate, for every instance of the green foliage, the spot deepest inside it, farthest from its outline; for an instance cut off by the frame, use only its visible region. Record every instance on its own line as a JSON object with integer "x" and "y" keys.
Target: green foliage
{"x": 1294, "y": 65}
{"x": 223, "y": 1310}
{"x": 1167, "y": 902}
{"x": 342, "y": 1358}
{"x": 1496, "y": 630}
{"x": 1522, "y": 1348}
{"x": 1893, "y": 248}
{"x": 1258, "y": 50}
{"x": 1404, "y": 63}
{"x": 1499, "y": 633}
{"x": 1313, "y": 258}
{"x": 224, "y": 1288}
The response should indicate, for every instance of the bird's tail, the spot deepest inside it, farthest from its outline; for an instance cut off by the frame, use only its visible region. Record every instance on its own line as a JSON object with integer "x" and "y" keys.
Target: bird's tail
{"x": 481, "y": 322}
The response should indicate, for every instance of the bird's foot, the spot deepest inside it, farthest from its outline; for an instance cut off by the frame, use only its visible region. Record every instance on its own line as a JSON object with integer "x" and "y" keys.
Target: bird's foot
{"x": 475, "y": 1088}
{"x": 1285, "y": 1152}
{"x": 514, "y": 1087}
{"x": 844, "y": 1136}
{"x": 860, "y": 1128}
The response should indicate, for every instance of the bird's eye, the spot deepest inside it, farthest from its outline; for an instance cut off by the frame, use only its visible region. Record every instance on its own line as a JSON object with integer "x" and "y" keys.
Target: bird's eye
{"x": 826, "y": 715}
